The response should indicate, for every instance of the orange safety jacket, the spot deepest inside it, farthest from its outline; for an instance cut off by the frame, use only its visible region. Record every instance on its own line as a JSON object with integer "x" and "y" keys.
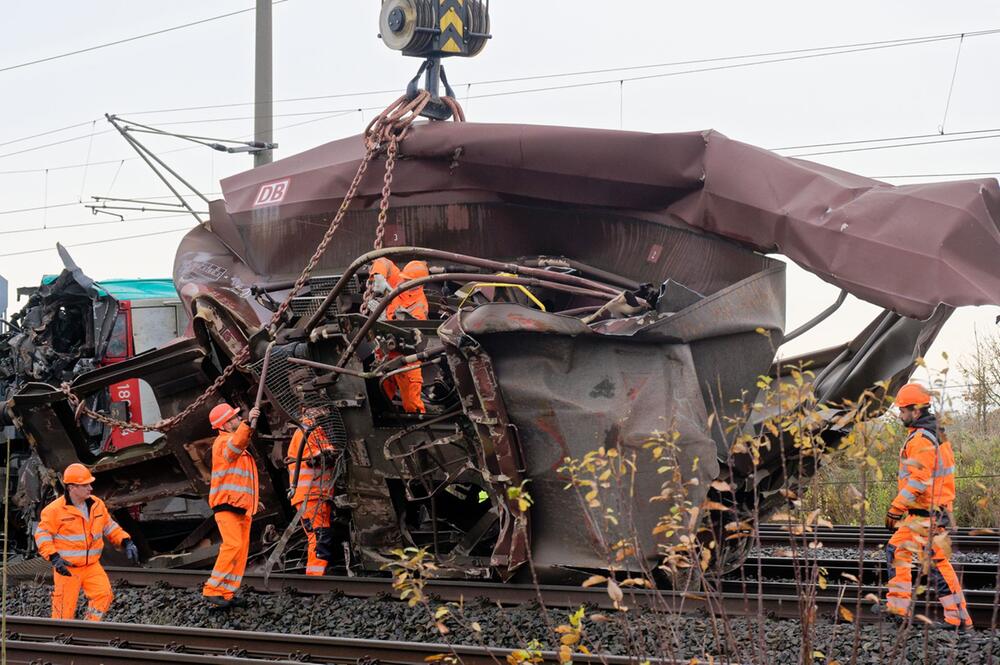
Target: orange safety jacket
{"x": 79, "y": 540}
{"x": 234, "y": 472}
{"x": 926, "y": 473}
{"x": 413, "y": 301}
{"x": 315, "y": 479}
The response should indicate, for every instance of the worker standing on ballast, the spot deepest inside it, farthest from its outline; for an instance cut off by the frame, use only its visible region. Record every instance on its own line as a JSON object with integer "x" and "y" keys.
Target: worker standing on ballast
{"x": 411, "y": 304}
{"x": 314, "y": 487}
{"x": 71, "y": 535}
{"x": 921, "y": 511}
{"x": 233, "y": 498}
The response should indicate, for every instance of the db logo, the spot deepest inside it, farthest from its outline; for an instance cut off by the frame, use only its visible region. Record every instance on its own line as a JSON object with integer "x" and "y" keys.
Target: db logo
{"x": 271, "y": 193}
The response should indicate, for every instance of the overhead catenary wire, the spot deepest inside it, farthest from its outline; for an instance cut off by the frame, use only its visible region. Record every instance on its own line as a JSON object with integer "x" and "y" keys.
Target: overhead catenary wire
{"x": 885, "y": 43}
{"x": 943, "y": 139}
{"x": 798, "y": 54}
{"x": 969, "y": 174}
{"x": 105, "y": 45}
{"x": 76, "y": 203}
{"x": 329, "y": 115}
{"x": 85, "y": 224}
{"x": 951, "y": 86}
{"x": 327, "y": 112}
{"x": 885, "y": 139}
{"x": 98, "y": 242}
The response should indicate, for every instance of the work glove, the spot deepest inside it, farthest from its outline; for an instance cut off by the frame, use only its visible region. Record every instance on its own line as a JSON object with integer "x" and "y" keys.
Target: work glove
{"x": 131, "y": 551}
{"x": 892, "y": 519}
{"x": 329, "y": 456}
{"x": 60, "y": 565}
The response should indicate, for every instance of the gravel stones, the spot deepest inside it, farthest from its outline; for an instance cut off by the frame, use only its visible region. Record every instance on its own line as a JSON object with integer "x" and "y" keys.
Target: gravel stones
{"x": 649, "y": 633}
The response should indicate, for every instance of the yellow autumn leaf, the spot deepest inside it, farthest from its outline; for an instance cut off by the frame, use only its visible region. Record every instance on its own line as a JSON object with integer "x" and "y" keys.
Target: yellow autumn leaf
{"x": 594, "y": 580}
{"x": 615, "y": 592}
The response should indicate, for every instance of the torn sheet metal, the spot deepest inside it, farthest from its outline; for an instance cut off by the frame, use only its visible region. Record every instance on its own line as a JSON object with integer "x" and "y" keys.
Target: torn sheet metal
{"x": 857, "y": 233}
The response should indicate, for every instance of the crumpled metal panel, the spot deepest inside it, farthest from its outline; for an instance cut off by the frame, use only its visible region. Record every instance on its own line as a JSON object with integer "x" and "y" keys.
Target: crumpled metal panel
{"x": 570, "y": 395}
{"x": 857, "y": 233}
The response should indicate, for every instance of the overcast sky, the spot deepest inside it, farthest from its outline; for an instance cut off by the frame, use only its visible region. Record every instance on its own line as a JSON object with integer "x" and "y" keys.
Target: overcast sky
{"x": 326, "y": 48}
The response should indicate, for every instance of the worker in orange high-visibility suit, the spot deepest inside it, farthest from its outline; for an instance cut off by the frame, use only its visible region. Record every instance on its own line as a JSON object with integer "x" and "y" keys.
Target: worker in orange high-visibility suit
{"x": 233, "y": 498}
{"x": 71, "y": 535}
{"x": 411, "y": 304}
{"x": 385, "y": 276}
{"x": 921, "y": 511}
{"x": 314, "y": 487}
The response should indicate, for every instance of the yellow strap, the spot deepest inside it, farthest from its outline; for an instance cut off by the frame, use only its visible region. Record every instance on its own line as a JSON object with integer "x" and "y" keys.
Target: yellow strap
{"x": 523, "y": 289}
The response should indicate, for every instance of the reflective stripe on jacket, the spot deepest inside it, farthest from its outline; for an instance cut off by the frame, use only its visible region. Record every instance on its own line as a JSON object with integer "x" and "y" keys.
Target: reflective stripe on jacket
{"x": 926, "y": 473}
{"x": 234, "y": 471}
{"x": 315, "y": 480}
{"x": 78, "y": 539}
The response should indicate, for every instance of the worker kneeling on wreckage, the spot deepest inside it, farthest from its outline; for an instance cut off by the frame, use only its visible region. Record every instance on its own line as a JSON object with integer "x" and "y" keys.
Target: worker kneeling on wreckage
{"x": 311, "y": 461}
{"x": 233, "y": 498}
{"x": 71, "y": 536}
{"x": 922, "y": 510}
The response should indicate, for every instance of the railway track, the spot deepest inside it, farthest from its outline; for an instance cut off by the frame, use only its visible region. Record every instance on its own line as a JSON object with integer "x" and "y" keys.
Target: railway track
{"x": 777, "y": 596}
{"x": 41, "y": 641}
{"x": 965, "y": 538}
{"x": 973, "y": 575}
{"x": 32, "y": 640}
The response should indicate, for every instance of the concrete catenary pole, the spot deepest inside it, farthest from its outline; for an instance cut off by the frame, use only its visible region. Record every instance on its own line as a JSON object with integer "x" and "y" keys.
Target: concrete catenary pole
{"x": 263, "y": 93}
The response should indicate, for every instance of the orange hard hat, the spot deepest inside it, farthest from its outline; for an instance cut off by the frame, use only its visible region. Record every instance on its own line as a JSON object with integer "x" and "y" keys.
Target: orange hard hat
{"x": 386, "y": 268}
{"x": 221, "y": 414}
{"x": 415, "y": 270}
{"x": 913, "y": 394}
{"x": 77, "y": 474}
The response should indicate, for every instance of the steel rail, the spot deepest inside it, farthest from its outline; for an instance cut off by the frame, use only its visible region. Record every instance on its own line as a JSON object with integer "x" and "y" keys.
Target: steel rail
{"x": 980, "y": 602}
{"x": 873, "y": 571}
{"x": 736, "y": 598}
{"x": 118, "y": 642}
{"x": 845, "y": 536}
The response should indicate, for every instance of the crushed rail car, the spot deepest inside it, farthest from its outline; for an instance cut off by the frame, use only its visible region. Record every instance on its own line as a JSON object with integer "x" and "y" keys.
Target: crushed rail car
{"x": 587, "y": 288}
{"x": 69, "y": 326}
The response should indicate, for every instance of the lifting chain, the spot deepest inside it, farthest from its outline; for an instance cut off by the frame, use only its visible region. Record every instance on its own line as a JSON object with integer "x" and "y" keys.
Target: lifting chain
{"x": 387, "y": 129}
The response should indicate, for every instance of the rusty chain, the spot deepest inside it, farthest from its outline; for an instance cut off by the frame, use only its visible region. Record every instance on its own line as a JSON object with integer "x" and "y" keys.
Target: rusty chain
{"x": 389, "y": 128}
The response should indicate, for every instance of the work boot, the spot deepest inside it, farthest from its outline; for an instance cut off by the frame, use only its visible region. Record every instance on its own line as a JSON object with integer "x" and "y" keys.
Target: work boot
{"x": 238, "y": 601}
{"x": 216, "y": 603}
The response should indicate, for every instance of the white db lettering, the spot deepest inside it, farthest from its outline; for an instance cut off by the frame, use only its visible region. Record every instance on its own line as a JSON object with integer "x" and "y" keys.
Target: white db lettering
{"x": 271, "y": 193}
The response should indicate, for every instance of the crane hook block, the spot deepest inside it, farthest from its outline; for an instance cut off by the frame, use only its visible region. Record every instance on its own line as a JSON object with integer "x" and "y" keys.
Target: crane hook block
{"x": 435, "y": 28}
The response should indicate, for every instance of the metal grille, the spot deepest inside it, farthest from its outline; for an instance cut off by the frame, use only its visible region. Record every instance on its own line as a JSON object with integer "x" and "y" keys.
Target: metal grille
{"x": 279, "y": 385}
{"x": 319, "y": 288}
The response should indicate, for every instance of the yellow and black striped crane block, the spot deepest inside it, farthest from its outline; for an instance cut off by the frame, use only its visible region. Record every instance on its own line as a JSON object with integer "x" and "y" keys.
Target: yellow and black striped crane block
{"x": 451, "y": 23}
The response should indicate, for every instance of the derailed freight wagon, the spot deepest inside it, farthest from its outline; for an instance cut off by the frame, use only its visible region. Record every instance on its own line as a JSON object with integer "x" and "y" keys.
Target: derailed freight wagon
{"x": 587, "y": 288}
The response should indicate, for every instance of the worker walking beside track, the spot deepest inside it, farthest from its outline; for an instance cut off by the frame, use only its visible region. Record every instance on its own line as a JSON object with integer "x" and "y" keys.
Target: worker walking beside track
{"x": 71, "y": 535}
{"x": 921, "y": 511}
{"x": 314, "y": 487}
{"x": 233, "y": 498}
